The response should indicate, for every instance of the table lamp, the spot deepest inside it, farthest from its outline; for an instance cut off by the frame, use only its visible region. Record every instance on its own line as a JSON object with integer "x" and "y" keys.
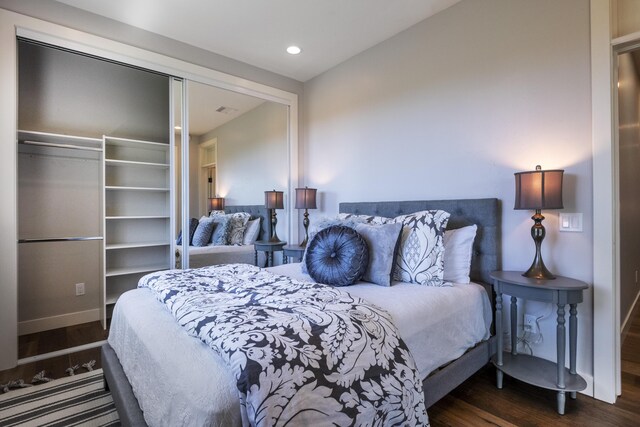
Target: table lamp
{"x": 537, "y": 190}
{"x": 216, "y": 204}
{"x": 274, "y": 200}
{"x": 306, "y": 199}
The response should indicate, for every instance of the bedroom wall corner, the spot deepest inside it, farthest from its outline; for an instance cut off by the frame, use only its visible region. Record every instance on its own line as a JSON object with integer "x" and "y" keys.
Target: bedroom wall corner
{"x": 8, "y": 208}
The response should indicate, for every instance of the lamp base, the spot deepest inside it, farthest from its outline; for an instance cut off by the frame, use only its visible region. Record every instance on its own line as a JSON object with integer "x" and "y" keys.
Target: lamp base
{"x": 538, "y": 270}
{"x": 274, "y": 221}
{"x": 305, "y": 222}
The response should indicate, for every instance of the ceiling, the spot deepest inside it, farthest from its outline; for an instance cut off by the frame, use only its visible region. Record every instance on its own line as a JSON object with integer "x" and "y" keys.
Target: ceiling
{"x": 205, "y": 100}
{"x": 257, "y": 32}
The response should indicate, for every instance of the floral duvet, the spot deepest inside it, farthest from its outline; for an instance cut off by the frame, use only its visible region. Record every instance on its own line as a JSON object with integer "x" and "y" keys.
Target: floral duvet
{"x": 301, "y": 353}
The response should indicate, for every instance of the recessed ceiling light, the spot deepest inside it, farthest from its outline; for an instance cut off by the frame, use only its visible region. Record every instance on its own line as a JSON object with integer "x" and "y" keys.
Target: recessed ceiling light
{"x": 177, "y": 128}
{"x": 294, "y": 50}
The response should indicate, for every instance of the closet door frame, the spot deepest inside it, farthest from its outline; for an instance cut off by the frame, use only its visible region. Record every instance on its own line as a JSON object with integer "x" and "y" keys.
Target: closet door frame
{"x": 13, "y": 25}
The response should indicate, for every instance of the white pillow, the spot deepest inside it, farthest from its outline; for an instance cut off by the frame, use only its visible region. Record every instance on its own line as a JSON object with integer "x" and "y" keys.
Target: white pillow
{"x": 421, "y": 254}
{"x": 252, "y": 232}
{"x": 458, "y": 249}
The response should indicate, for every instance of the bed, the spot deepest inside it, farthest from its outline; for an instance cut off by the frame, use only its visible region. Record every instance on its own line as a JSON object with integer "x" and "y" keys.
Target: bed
{"x": 202, "y": 256}
{"x": 151, "y": 333}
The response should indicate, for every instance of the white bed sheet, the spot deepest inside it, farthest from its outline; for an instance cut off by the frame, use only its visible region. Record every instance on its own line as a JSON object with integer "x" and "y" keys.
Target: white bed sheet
{"x": 202, "y": 256}
{"x": 437, "y": 324}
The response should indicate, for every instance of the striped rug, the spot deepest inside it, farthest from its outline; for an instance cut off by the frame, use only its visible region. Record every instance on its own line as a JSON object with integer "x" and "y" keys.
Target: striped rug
{"x": 72, "y": 401}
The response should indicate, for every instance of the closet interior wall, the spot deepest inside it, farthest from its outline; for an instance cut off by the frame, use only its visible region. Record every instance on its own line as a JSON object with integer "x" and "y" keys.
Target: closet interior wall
{"x": 69, "y": 102}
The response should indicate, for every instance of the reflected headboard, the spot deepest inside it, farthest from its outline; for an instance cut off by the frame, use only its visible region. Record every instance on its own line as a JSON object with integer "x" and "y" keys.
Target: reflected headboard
{"x": 485, "y": 213}
{"x": 256, "y": 211}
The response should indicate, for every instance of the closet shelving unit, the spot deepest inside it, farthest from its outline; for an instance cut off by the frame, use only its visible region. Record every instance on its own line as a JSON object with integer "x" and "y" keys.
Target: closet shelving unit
{"x": 137, "y": 217}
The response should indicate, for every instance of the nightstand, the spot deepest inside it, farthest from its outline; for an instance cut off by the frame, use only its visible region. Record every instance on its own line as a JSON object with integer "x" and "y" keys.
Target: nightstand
{"x": 293, "y": 251}
{"x": 534, "y": 370}
{"x": 269, "y": 248}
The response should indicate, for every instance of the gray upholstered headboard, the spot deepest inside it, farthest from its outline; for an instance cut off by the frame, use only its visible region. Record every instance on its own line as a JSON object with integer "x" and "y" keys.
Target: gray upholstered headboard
{"x": 256, "y": 211}
{"x": 485, "y": 213}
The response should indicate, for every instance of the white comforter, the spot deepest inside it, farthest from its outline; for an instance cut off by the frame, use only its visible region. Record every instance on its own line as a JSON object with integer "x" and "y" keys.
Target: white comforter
{"x": 193, "y": 387}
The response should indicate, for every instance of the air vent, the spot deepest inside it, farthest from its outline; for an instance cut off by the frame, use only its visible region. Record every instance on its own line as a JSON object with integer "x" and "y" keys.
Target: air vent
{"x": 226, "y": 110}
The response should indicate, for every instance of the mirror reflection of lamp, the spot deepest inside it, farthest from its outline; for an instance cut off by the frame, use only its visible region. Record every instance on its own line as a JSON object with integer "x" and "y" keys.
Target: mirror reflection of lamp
{"x": 216, "y": 204}
{"x": 306, "y": 199}
{"x": 274, "y": 200}
{"x": 537, "y": 190}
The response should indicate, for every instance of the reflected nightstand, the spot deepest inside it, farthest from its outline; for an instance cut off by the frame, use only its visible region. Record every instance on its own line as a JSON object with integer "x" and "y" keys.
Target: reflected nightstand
{"x": 293, "y": 251}
{"x": 269, "y": 248}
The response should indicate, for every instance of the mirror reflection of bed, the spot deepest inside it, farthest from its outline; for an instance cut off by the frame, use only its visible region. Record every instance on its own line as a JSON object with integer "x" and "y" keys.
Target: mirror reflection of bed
{"x": 237, "y": 151}
{"x": 256, "y": 228}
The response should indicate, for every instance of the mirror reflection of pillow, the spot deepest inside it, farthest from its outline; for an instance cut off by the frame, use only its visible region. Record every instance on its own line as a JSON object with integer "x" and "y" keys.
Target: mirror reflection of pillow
{"x": 337, "y": 256}
{"x": 193, "y": 224}
{"x": 202, "y": 235}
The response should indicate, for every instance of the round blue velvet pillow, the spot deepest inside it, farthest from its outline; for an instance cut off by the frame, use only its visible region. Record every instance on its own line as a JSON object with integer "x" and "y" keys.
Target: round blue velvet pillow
{"x": 337, "y": 256}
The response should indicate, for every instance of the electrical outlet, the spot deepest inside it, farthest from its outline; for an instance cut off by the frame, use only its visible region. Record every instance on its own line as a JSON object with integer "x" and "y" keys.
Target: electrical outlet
{"x": 530, "y": 324}
{"x": 79, "y": 289}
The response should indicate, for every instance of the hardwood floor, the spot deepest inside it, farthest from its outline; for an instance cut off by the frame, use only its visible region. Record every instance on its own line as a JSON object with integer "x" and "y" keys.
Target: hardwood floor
{"x": 477, "y": 402}
{"x": 53, "y": 340}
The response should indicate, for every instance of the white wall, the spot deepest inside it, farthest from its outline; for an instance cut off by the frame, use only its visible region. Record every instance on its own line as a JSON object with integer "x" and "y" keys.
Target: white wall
{"x": 629, "y": 175}
{"x": 451, "y": 108}
{"x": 252, "y": 158}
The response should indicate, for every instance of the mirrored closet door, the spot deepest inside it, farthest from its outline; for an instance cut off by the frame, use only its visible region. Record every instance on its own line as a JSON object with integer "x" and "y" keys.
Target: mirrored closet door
{"x": 236, "y": 149}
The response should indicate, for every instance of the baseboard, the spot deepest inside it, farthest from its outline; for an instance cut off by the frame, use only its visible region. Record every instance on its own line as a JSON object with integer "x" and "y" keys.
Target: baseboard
{"x": 61, "y": 321}
{"x": 589, "y": 379}
{"x": 624, "y": 328}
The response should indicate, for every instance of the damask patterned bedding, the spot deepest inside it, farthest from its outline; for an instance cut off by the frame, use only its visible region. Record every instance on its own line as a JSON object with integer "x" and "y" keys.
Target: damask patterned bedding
{"x": 178, "y": 380}
{"x": 301, "y": 353}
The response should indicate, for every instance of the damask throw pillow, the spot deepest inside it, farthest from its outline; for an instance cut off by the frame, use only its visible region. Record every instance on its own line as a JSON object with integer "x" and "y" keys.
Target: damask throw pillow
{"x": 237, "y": 224}
{"x": 337, "y": 256}
{"x": 369, "y": 219}
{"x": 420, "y": 258}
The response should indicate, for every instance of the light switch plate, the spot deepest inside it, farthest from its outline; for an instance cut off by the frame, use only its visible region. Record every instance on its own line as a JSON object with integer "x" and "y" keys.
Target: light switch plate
{"x": 570, "y": 222}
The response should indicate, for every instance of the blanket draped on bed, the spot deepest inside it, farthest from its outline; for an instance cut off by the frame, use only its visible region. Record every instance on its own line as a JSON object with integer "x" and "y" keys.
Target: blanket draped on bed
{"x": 301, "y": 353}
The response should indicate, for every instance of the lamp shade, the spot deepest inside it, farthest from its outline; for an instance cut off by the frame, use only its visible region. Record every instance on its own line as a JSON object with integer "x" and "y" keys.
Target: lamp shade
{"x": 306, "y": 198}
{"x": 216, "y": 203}
{"x": 274, "y": 199}
{"x": 538, "y": 189}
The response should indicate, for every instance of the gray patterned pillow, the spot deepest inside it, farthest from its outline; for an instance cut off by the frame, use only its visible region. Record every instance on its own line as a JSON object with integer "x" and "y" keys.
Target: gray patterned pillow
{"x": 421, "y": 255}
{"x": 202, "y": 235}
{"x": 220, "y": 235}
{"x": 237, "y": 224}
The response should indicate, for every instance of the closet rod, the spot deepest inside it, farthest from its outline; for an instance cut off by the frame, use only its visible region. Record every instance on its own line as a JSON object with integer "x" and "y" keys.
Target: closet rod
{"x": 60, "y": 239}
{"x": 70, "y": 146}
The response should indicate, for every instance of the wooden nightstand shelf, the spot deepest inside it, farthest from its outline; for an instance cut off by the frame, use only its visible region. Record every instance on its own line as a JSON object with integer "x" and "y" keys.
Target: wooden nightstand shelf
{"x": 534, "y": 370}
